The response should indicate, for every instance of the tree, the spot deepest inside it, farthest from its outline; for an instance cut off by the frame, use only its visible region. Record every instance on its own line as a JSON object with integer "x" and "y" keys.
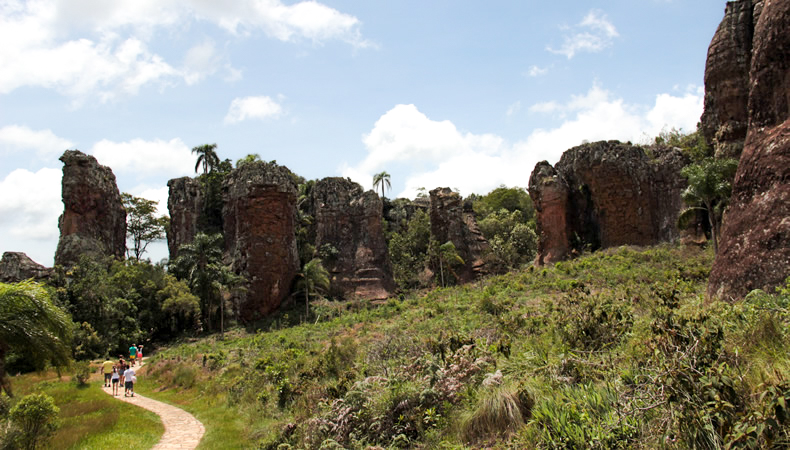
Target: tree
{"x": 252, "y": 157}
{"x": 207, "y": 157}
{"x": 142, "y": 225}
{"x": 200, "y": 264}
{"x": 31, "y": 323}
{"x": 709, "y": 190}
{"x": 313, "y": 279}
{"x": 36, "y": 417}
{"x": 447, "y": 255}
{"x": 382, "y": 179}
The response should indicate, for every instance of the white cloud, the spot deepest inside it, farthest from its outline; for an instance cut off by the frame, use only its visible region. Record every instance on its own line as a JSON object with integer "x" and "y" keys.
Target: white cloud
{"x": 83, "y": 48}
{"x": 261, "y": 107}
{"x": 514, "y": 108}
{"x": 45, "y": 144}
{"x": 29, "y": 206}
{"x": 594, "y": 33}
{"x": 157, "y": 194}
{"x": 536, "y": 71}
{"x": 145, "y": 158}
{"x": 438, "y": 154}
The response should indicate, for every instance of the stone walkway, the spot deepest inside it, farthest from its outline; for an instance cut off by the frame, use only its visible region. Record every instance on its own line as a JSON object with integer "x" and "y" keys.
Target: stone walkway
{"x": 182, "y": 430}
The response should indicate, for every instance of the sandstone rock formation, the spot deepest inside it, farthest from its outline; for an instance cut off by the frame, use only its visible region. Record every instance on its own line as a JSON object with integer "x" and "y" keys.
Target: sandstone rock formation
{"x": 17, "y": 266}
{"x": 754, "y": 251}
{"x": 606, "y": 194}
{"x": 350, "y": 220}
{"x": 725, "y": 118}
{"x": 94, "y": 220}
{"x": 259, "y": 218}
{"x": 185, "y": 204}
{"x": 452, "y": 221}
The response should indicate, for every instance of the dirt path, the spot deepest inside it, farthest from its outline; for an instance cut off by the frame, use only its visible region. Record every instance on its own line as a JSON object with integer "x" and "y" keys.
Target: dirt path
{"x": 182, "y": 430}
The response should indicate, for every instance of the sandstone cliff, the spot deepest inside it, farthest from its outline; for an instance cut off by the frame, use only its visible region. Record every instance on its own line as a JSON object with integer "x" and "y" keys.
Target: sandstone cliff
{"x": 606, "y": 194}
{"x": 350, "y": 220}
{"x": 259, "y": 217}
{"x": 754, "y": 251}
{"x": 93, "y": 222}
{"x": 452, "y": 221}
{"x": 16, "y": 266}
{"x": 185, "y": 204}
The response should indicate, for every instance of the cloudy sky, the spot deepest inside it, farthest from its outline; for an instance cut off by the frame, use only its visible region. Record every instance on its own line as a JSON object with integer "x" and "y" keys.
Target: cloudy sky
{"x": 464, "y": 94}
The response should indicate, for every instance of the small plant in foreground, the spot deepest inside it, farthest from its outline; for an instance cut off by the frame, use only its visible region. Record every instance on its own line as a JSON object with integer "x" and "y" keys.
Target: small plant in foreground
{"x": 36, "y": 418}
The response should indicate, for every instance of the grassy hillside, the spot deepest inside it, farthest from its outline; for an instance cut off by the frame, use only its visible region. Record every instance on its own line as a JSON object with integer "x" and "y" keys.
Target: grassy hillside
{"x": 614, "y": 349}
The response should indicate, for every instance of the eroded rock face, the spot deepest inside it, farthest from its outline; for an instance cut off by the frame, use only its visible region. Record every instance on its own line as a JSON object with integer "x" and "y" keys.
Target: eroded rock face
{"x": 349, "y": 219}
{"x": 17, "y": 266}
{"x": 185, "y": 204}
{"x": 453, "y": 221}
{"x": 606, "y": 194}
{"x": 725, "y": 119}
{"x": 93, "y": 222}
{"x": 754, "y": 252}
{"x": 259, "y": 218}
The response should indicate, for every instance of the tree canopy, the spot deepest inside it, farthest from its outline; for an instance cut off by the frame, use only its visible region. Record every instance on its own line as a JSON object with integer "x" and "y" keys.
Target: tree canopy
{"x": 142, "y": 224}
{"x": 382, "y": 180}
{"x": 207, "y": 157}
{"x": 709, "y": 190}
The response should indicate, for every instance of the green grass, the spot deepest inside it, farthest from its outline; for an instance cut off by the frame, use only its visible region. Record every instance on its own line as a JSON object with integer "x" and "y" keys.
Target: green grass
{"x": 89, "y": 418}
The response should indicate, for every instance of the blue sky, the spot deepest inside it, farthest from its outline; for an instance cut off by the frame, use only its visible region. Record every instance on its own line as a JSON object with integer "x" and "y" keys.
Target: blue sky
{"x": 464, "y": 94}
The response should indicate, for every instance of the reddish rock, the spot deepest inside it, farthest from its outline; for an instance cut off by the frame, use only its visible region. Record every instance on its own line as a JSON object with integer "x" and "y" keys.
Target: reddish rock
{"x": 93, "y": 222}
{"x": 185, "y": 205}
{"x": 17, "y": 266}
{"x": 606, "y": 194}
{"x": 350, "y": 220}
{"x": 453, "y": 221}
{"x": 259, "y": 218}
{"x": 551, "y": 198}
{"x": 725, "y": 119}
{"x": 754, "y": 251}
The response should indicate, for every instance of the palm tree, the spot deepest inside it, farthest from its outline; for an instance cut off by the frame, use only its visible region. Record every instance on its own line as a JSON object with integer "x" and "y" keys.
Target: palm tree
{"x": 206, "y": 157}
{"x": 200, "y": 264}
{"x": 314, "y": 279}
{"x": 29, "y": 321}
{"x": 382, "y": 179}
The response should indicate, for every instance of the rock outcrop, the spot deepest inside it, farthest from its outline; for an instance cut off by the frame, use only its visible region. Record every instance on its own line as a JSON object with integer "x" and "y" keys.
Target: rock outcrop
{"x": 754, "y": 251}
{"x": 259, "y": 219}
{"x": 17, "y": 266}
{"x": 453, "y": 221}
{"x": 350, "y": 221}
{"x": 725, "y": 119}
{"x": 606, "y": 194}
{"x": 185, "y": 205}
{"x": 93, "y": 222}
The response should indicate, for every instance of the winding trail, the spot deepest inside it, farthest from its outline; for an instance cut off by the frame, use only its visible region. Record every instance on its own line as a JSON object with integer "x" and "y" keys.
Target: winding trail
{"x": 182, "y": 430}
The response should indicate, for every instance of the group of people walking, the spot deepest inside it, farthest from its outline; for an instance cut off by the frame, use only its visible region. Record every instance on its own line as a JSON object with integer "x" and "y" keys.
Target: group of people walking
{"x": 122, "y": 372}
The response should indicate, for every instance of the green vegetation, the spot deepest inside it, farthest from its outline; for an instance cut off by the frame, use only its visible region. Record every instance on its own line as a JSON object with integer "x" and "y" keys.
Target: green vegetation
{"x": 616, "y": 349}
{"x": 87, "y": 417}
{"x": 142, "y": 225}
{"x": 382, "y": 180}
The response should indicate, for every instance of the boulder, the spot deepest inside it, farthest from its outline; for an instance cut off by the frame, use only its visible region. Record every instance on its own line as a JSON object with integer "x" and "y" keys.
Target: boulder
{"x": 454, "y": 221}
{"x": 754, "y": 250}
{"x": 17, "y": 266}
{"x": 259, "y": 220}
{"x": 350, "y": 220}
{"x": 185, "y": 205}
{"x": 93, "y": 222}
{"x": 606, "y": 194}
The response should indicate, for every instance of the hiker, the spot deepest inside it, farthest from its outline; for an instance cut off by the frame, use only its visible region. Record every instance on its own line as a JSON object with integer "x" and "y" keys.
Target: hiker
{"x": 129, "y": 378}
{"x": 140, "y": 354}
{"x": 106, "y": 368}
{"x": 121, "y": 368}
{"x": 132, "y": 354}
{"x": 116, "y": 378}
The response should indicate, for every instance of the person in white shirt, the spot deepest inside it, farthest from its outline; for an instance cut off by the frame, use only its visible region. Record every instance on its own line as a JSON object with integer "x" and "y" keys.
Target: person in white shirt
{"x": 129, "y": 377}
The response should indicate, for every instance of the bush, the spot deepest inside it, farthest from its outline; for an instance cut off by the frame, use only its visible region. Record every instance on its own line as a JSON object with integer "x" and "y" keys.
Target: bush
{"x": 82, "y": 372}
{"x": 36, "y": 418}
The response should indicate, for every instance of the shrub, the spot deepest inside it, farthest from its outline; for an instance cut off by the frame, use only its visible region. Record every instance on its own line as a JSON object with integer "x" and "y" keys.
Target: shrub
{"x": 36, "y": 418}
{"x": 82, "y": 372}
{"x": 499, "y": 411}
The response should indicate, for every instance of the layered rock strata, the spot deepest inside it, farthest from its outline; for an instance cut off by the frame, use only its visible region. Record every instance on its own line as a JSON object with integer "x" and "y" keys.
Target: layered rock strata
{"x": 350, "y": 221}
{"x": 185, "y": 204}
{"x": 259, "y": 219}
{"x": 93, "y": 222}
{"x": 754, "y": 251}
{"x": 606, "y": 194}
{"x": 455, "y": 222}
{"x": 725, "y": 118}
{"x": 17, "y": 266}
